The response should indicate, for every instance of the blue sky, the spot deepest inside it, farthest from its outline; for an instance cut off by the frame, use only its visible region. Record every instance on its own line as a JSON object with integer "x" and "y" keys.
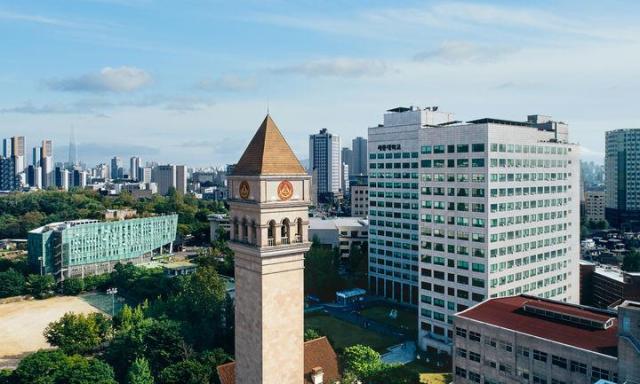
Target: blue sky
{"x": 189, "y": 81}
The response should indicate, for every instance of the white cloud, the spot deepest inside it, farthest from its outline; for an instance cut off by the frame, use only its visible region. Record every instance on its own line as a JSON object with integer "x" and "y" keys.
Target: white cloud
{"x": 121, "y": 79}
{"x": 462, "y": 52}
{"x": 336, "y": 67}
{"x": 231, "y": 83}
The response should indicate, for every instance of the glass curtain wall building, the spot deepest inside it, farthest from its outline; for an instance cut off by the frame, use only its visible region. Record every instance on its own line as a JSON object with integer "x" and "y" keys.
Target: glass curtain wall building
{"x": 87, "y": 247}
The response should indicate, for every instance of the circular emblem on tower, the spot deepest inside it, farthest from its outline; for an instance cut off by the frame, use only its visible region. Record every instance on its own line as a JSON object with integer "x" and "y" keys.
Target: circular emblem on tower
{"x": 285, "y": 190}
{"x": 244, "y": 190}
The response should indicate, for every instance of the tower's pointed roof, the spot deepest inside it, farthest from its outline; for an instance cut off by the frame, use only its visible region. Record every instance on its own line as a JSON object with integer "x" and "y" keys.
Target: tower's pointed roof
{"x": 268, "y": 154}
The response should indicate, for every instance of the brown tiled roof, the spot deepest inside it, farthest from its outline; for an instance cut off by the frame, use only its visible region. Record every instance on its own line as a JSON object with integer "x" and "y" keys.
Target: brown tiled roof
{"x": 509, "y": 313}
{"x": 318, "y": 353}
{"x": 268, "y": 153}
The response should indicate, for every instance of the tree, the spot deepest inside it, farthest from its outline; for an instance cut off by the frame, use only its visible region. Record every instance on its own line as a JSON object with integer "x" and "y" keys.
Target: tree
{"x": 40, "y": 286}
{"x": 311, "y": 334}
{"x": 42, "y": 367}
{"x": 185, "y": 372}
{"x": 321, "y": 277}
{"x": 362, "y": 361}
{"x": 72, "y": 286}
{"x": 11, "y": 283}
{"x": 631, "y": 261}
{"x": 139, "y": 372}
{"x": 78, "y": 333}
{"x": 80, "y": 370}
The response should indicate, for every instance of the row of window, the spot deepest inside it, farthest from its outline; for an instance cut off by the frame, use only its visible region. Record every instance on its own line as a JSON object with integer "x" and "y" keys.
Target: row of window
{"x": 525, "y": 191}
{"x": 393, "y": 155}
{"x": 459, "y": 192}
{"x": 411, "y": 165}
{"x": 393, "y": 175}
{"x": 452, "y": 148}
{"x": 518, "y": 148}
{"x": 453, "y": 177}
{"x": 452, "y": 163}
{"x": 528, "y": 163}
{"x": 453, "y": 234}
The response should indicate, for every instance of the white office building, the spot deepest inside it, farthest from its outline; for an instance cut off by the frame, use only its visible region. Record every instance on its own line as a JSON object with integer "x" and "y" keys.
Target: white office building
{"x": 134, "y": 168}
{"x": 394, "y": 149}
{"x": 326, "y": 158}
{"x": 499, "y": 216}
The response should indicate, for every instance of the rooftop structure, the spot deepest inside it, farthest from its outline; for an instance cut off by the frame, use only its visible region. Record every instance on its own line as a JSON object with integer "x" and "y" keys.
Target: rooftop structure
{"x": 573, "y": 325}
{"x": 268, "y": 153}
{"x": 320, "y": 363}
{"x": 522, "y": 339}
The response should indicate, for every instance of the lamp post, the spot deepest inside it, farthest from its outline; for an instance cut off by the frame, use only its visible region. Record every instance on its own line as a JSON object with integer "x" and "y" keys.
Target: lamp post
{"x": 113, "y": 292}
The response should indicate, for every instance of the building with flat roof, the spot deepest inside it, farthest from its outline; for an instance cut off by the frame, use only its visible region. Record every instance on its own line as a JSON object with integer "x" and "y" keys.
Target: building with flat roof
{"x": 325, "y": 156}
{"x": 359, "y": 193}
{"x": 339, "y": 232}
{"x": 87, "y": 247}
{"x": 622, "y": 177}
{"x": 603, "y": 285}
{"x": 499, "y": 216}
{"x": 594, "y": 204}
{"x": 528, "y": 339}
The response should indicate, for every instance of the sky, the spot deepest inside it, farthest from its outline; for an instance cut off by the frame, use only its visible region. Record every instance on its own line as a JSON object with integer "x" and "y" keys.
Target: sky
{"x": 190, "y": 81}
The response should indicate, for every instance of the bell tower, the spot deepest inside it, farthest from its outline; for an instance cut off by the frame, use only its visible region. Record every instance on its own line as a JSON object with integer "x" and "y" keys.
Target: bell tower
{"x": 269, "y": 195}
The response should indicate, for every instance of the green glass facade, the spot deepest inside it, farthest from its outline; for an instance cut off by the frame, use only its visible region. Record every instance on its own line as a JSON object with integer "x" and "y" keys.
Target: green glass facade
{"x": 62, "y": 248}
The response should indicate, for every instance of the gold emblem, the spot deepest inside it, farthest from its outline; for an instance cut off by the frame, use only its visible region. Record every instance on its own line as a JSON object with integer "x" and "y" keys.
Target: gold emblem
{"x": 244, "y": 190}
{"x": 285, "y": 190}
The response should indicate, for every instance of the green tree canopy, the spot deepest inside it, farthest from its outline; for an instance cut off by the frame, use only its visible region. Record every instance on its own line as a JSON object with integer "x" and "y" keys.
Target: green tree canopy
{"x": 12, "y": 283}
{"x": 78, "y": 333}
{"x": 139, "y": 372}
{"x": 40, "y": 286}
{"x": 631, "y": 261}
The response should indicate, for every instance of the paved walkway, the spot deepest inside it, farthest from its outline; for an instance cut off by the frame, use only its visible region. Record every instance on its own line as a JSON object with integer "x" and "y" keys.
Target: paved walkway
{"x": 401, "y": 354}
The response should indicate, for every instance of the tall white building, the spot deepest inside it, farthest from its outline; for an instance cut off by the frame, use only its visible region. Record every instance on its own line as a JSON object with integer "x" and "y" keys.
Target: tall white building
{"x": 499, "y": 216}
{"x": 46, "y": 164}
{"x": 134, "y": 168}
{"x": 325, "y": 157}
{"x": 394, "y": 149}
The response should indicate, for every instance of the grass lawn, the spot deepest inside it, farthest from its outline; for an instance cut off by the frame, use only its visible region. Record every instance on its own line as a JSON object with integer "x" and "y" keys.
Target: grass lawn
{"x": 406, "y": 319}
{"x": 435, "y": 378}
{"x": 343, "y": 334}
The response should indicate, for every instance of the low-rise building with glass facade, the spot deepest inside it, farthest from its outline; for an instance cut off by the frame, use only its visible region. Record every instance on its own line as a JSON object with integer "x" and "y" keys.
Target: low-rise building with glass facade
{"x": 87, "y": 247}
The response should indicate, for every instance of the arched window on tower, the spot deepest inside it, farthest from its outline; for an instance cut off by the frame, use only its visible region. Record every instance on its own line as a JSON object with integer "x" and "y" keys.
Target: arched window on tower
{"x": 298, "y": 230}
{"x": 271, "y": 233}
{"x": 245, "y": 231}
{"x": 285, "y": 231}
{"x": 234, "y": 233}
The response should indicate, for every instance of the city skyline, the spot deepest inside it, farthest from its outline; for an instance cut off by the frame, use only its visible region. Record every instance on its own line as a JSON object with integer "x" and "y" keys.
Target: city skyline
{"x": 119, "y": 70}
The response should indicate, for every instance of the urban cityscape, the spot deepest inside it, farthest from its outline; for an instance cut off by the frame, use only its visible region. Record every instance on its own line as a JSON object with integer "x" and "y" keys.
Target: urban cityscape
{"x": 480, "y": 241}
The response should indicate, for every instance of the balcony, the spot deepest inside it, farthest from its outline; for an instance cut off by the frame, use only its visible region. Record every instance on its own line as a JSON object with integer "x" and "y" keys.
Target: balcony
{"x": 285, "y": 240}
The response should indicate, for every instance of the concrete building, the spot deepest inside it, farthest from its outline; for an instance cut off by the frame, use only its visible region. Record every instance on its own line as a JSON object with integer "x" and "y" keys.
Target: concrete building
{"x": 217, "y": 222}
{"x": 165, "y": 177}
{"x": 603, "y": 286}
{"x": 622, "y": 177}
{"x": 499, "y": 216}
{"x": 135, "y": 164}
{"x": 339, "y": 232}
{"x": 325, "y": 157}
{"x": 394, "y": 151}
{"x": 527, "y": 339}
{"x": 359, "y": 199}
{"x": 87, "y": 247}
{"x": 269, "y": 199}
{"x": 46, "y": 164}
{"x": 359, "y": 157}
{"x": 18, "y": 152}
{"x": 594, "y": 202}
{"x": 181, "y": 179}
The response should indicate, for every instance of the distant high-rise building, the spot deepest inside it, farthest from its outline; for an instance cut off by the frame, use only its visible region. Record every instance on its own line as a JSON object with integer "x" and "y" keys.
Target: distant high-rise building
{"x": 117, "y": 171}
{"x": 9, "y": 179}
{"x": 46, "y": 163}
{"x": 165, "y": 177}
{"x": 6, "y": 148}
{"x": 347, "y": 157}
{"x": 73, "y": 151}
{"x": 181, "y": 179}
{"x": 359, "y": 161}
{"x": 622, "y": 177}
{"x": 144, "y": 174}
{"x": 594, "y": 206}
{"x": 134, "y": 168}
{"x": 17, "y": 151}
{"x": 345, "y": 178}
{"x": 325, "y": 157}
